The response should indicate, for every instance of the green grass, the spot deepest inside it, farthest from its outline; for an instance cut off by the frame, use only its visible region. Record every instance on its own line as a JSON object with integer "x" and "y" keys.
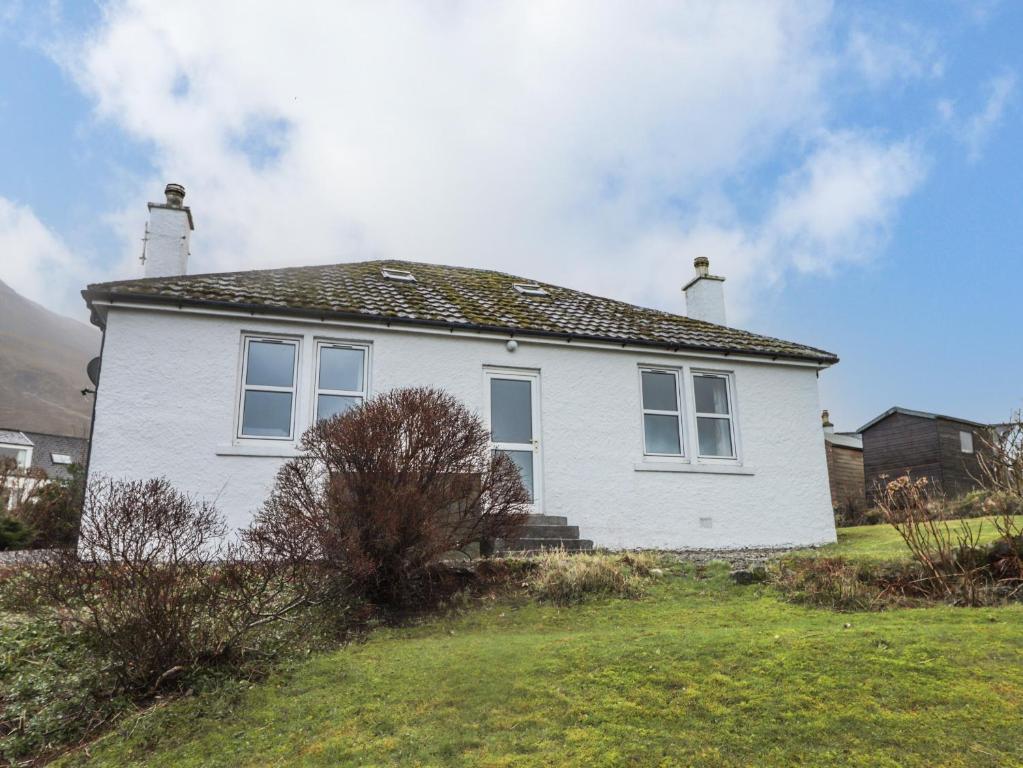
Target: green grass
{"x": 882, "y": 542}
{"x": 700, "y": 672}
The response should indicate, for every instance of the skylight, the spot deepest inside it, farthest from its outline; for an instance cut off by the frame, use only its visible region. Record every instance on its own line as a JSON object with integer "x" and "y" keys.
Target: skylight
{"x": 400, "y": 275}
{"x": 60, "y": 458}
{"x": 529, "y": 289}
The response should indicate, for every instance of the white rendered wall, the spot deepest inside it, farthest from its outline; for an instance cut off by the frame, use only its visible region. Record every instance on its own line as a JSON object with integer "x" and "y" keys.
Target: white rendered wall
{"x": 168, "y": 397}
{"x": 705, "y": 300}
{"x": 167, "y": 241}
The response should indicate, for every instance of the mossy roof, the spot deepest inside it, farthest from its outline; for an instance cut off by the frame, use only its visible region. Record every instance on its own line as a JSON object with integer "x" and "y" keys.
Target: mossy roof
{"x": 455, "y": 297}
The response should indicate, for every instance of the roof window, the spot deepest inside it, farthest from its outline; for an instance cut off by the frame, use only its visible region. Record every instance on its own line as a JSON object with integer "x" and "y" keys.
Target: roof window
{"x": 401, "y": 275}
{"x": 60, "y": 458}
{"x": 529, "y": 289}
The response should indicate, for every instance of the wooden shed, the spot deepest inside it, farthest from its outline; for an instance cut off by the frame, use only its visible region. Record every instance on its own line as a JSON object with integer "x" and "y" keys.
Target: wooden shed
{"x": 943, "y": 449}
{"x": 844, "y": 451}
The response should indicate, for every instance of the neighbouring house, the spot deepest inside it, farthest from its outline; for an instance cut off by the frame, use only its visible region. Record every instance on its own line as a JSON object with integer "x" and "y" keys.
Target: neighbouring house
{"x": 944, "y": 449}
{"x": 844, "y": 451}
{"x": 640, "y": 427}
{"x": 35, "y": 453}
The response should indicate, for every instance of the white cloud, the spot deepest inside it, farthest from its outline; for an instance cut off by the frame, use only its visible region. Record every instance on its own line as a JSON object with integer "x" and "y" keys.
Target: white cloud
{"x": 838, "y": 206}
{"x": 885, "y": 49}
{"x": 593, "y": 144}
{"x": 979, "y": 127}
{"x": 975, "y": 130}
{"x": 836, "y": 209}
{"x": 36, "y": 263}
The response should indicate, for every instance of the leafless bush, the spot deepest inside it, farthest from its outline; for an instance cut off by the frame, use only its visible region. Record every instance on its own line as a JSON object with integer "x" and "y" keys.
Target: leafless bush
{"x": 152, "y": 584}
{"x": 851, "y": 585}
{"x": 381, "y": 493}
{"x": 1001, "y": 459}
{"x": 957, "y": 565}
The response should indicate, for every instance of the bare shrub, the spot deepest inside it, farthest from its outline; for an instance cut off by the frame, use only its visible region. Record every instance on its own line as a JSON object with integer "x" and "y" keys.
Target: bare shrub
{"x": 565, "y": 578}
{"x": 381, "y": 493}
{"x": 152, "y": 586}
{"x": 17, "y": 485}
{"x": 850, "y": 585}
{"x": 1000, "y": 461}
{"x": 956, "y": 564}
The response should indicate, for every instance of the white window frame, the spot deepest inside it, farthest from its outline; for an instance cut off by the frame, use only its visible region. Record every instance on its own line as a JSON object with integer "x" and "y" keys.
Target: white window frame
{"x": 730, "y": 416}
{"x": 530, "y": 289}
{"x": 965, "y": 441}
{"x": 247, "y": 339}
{"x": 679, "y": 414}
{"x": 533, "y": 377}
{"x": 401, "y": 275}
{"x": 21, "y": 447}
{"x": 317, "y": 391}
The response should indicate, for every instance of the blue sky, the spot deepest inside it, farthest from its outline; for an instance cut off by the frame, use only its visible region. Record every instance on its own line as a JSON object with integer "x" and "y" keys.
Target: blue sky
{"x": 855, "y": 170}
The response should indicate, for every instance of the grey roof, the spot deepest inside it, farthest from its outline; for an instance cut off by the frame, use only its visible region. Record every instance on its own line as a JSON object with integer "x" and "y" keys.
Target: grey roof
{"x": 845, "y": 439}
{"x": 45, "y": 446}
{"x": 919, "y": 414}
{"x": 450, "y": 297}
{"x": 13, "y": 437}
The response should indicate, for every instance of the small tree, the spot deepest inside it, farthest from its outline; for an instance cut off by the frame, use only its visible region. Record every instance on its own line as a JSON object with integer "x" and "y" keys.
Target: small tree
{"x": 381, "y": 493}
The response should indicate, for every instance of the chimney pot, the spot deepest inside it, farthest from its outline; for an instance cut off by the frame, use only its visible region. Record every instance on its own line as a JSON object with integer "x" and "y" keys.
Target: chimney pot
{"x": 829, "y": 428}
{"x": 702, "y": 264}
{"x": 175, "y": 194}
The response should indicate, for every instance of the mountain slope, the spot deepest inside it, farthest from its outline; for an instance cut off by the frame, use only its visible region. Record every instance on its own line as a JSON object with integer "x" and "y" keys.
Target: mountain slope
{"x": 42, "y": 367}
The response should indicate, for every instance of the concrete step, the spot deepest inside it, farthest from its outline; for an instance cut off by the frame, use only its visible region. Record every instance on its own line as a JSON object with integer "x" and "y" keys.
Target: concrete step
{"x": 550, "y": 532}
{"x": 545, "y": 520}
{"x": 537, "y": 545}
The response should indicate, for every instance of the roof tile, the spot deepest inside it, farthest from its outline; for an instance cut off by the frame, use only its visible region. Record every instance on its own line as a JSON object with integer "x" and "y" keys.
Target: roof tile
{"x": 451, "y": 296}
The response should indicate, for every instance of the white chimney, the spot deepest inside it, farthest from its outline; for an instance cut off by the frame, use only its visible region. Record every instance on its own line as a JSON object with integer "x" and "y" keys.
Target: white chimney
{"x": 167, "y": 235}
{"x": 705, "y": 294}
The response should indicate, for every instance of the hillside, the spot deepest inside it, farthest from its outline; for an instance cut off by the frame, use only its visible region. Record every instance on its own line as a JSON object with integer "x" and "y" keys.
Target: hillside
{"x": 42, "y": 367}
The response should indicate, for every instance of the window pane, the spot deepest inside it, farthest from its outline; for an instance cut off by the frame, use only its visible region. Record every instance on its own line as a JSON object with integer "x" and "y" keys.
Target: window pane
{"x": 524, "y": 461}
{"x": 20, "y": 455}
{"x": 715, "y": 437}
{"x": 966, "y": 442}
{"x": 331, "y": 405}
{"x": 661, "y": 434}
{"x": 266, "y": 414}
{"x": 711, "y": 394}
{"x": 659, "y": 391}
{"x": 341, "y": 368}
{"x": 511, "y": 412}
{"x": 270, "y": 364}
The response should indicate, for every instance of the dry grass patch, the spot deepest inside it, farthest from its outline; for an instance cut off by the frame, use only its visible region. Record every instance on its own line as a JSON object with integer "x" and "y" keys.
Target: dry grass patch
{"x": 565, "y": 578}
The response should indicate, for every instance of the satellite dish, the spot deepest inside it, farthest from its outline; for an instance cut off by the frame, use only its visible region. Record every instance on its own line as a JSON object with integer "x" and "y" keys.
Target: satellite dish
{"x": 93, "y": 370}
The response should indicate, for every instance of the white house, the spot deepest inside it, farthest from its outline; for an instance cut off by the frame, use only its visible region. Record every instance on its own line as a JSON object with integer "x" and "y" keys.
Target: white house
{"x": 642, "y": 428}
{"x": 35, "y": 457}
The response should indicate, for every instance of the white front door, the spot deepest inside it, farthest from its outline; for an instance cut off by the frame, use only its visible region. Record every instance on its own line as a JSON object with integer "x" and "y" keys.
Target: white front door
{"x": 513, "y": 412}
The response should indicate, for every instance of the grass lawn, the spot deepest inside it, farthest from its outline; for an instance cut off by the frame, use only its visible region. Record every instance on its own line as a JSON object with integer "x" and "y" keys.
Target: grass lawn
{"x": 701, "y": 672}
{"x": 882, "y": 542}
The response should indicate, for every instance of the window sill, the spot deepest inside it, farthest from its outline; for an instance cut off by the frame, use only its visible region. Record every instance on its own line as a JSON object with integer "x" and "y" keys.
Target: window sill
{"x": 707, "y": 469}
{"x": 283, "y": 451}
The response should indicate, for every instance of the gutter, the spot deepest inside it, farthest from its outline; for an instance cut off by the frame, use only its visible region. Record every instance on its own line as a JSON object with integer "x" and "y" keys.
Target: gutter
{"x": 99, "y": 320}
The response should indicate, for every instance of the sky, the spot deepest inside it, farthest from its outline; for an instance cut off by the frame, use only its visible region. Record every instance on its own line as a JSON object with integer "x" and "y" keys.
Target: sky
{"x": 855, "y": 170}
